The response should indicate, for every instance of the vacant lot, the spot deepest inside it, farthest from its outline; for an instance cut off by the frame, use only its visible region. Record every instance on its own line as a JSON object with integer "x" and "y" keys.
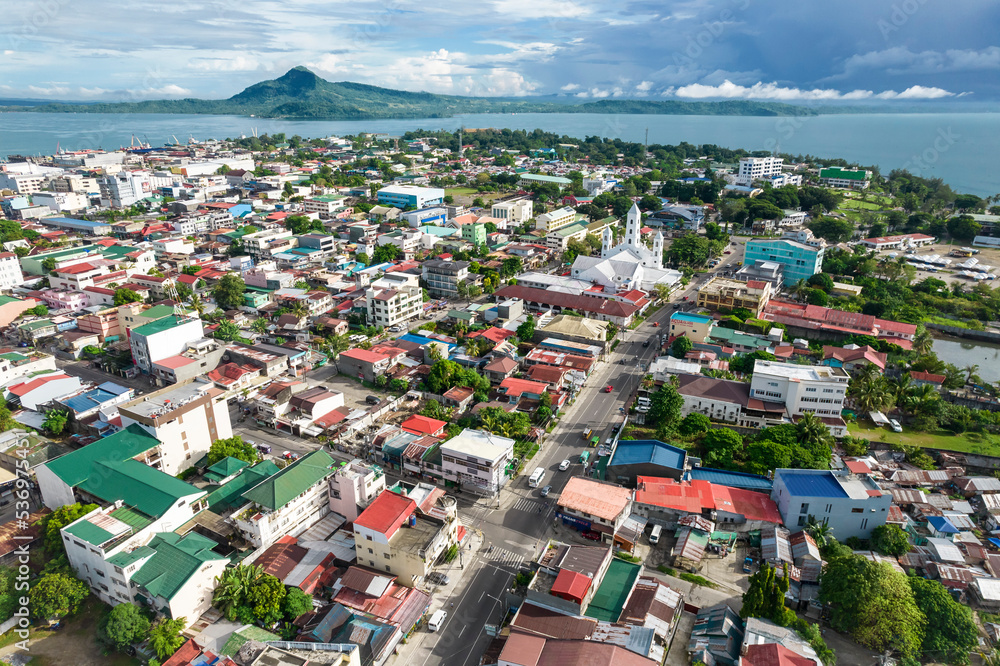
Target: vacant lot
{"x": 970, "y": 442}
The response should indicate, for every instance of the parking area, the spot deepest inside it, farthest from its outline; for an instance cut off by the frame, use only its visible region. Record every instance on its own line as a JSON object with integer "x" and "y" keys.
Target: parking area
{"x": 985, "y": 257}
{"x": 354, "y": 391}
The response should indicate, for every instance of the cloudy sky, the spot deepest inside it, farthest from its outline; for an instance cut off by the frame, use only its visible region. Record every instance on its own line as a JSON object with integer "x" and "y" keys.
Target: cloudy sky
{"x": 781, "y": 50}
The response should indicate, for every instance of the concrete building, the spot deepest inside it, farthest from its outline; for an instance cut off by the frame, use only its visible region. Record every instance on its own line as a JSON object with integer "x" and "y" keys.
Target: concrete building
{"x": 556, "y": 219}
{"x": 410, "y": 196}
{"x": 186, "y": 419}
{"x": 10, "y": 271}
{"x": 442, "y": 276}
{"x": 587, "y": 504}
{"x": 803, "y": 388}
{"x": 644, "y": 457}
{"x": 515, "y": 212}
{"x": 851, "y": 504}
{"x": 164, "y": 337}
{"x": 852, "y": 179}
{"x": 354, "y": 486}
{"x": 528, "y": 179}
{"x": 404, "y": 533}
{"x": 758, "y": 168}
{"x": 394, "y": 299}
{"x": 723, "y": 293}
{"x": 719, "y": 399}
{"x": 695, "y": 326}
{"x": 287, "y": 503}
{"x": 478, "y": 461}
{"x": 423, "y": 216}
{"x": 798, "y": 261}
{"x": 764, "y": 271}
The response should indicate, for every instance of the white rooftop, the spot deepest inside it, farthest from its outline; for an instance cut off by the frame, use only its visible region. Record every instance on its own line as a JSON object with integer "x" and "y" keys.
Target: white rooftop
{"x": 480, "y": 444}
{"x": 799, "y": 373}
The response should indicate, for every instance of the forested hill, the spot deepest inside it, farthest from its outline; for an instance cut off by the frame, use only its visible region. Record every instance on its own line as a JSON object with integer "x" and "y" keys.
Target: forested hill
{"x": 302, "y": 94}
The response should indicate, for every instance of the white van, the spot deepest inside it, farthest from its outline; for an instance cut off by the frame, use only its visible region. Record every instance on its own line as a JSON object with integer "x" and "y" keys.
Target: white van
{"x": 437, "y": 619}
{"x": 654, "y": 536}
{"x": 536, "y": 477}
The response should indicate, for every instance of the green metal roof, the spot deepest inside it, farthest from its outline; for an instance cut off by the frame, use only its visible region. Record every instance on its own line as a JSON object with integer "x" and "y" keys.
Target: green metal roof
{"x": 124, "y": 559}
{"x": 34, "y": 325}
{"x": 175, "y": 559}
{"x": 74, "y": 468}
{"x": 147, "y": 489}
{"x": 846, "y": 174}
{"x": 14, "y": 357}
{"x": 614, "y": 591}
{"x": 224, "y": 469}
{"x": 157, "y": 311}
{"x": 289, "y": 483}
{"x": 90, "y": 532}
{"x": 230, "y": 495}
{"x": 4, "y": 300}
{"x": 137, "y": 520}
{"x": 160, "y": 325}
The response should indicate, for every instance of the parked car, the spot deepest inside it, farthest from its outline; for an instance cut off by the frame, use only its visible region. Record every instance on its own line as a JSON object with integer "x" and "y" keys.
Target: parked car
{"x": 747, "y": 563}
{"x": 564, "y": 465}
{"x": 645, "y": 343}
{"x": 438, "y": 578}
{"x": 592, "y": 535}
{"x": 894, "y": 424}
{"x": 372, "y": 400}
{"x": 728, "y": 252}
{"x": 609, "y": 388}
{"x": 263, "y": 448}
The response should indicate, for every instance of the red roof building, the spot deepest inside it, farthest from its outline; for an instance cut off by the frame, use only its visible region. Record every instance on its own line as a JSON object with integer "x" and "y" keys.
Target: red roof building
{"x": 386, "y": 514}
{"x": 423, "y": 425}
{"x": 773, "y": 654}
{"x": 605, "y": 309}
{"x": 571, "y": 586}
{"x": 698, "y": 495}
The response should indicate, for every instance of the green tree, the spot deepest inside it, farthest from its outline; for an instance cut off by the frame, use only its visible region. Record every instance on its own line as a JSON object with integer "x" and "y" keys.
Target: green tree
{"x": 721, "y": 447}
{"x": 765, "y": 596}
{"x": 813, "y": 432}
{"x": 526, "y": 331}
{"x": 951, "y": 631}
{"x": 694, "y": 423}
{"x": 691, "y": 250}
{"x": 58, "y": 519}
{"x": 385, "y": 253}
{"x": 123, "y": 296}
{"x": 232, "y": 589}
{"x": 817, "y": 297}
{"x": 124, "y": 625}
{"x": 55, "y": 421}
{"x": 56, "y": 595}
{"x": 890, "y": 540}
{"x": 833, "y": 229}
{"x": 762, "y": 456}
{"x": 963, "y": 228}
{"x": 233, "y": 447}
{"x": 7, "y": 421}
{"x": 39, "y": 311}
{"x": 165, "y": 636}
{"x": 49, "y": 263}
{"x": 296, "y": 603}
{"x": 681, "y": 346}
{"x": 873, "y": 604}
{"x": 665, "y": 409}
{"x": 228, "y": 331}
{"x": 228, "y": 292}
{"x": 265, "y": 598}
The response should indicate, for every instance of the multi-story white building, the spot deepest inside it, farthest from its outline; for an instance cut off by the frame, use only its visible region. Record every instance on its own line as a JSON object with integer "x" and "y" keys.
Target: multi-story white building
{"x": 126, "y": 188}
{"x": 258, "y": 244}
{"x": 394, "y": 299}
{"x": 515, "y": 212}
{"x": 288, "y": 503}
{"x": 442, "y": 276}
{"x": 803, "y": 388}
{"x": 164, "y": 337}
{"x": 10, "y": 271}
{"x": 22, "y": 183}
{"x": 354, "y": 486}
{"x": 758, "y": 168}
{"x": 851, "y": 504}
{"x": 556, "y": 219}
{"x": 185, "y": 418}
{"x": 61, "y": 202}
{"x": 324, "y": 206}
{"x": 410, "y": 241}
{"x": 478, "y": 460}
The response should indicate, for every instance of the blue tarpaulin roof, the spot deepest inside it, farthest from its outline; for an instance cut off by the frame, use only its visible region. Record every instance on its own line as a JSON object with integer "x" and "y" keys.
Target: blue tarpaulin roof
{"x": 807, "y": 483}
{"x": 630, "y": 452}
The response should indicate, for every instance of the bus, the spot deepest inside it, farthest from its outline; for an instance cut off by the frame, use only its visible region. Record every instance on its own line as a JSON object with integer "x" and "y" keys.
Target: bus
{"x": 536, "y": 477}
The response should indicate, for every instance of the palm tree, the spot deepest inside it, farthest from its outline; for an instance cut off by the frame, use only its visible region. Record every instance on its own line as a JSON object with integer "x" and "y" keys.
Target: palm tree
{"x": 970, "y": 370}
{"x": 923, "y": 341}
{"x": 800, "y": 289}
{"x": 901, "y": 387}
{"x": 812, "y": 431}
{"x": 233, "y": 587}
{"x": 922, "y": 399}
{"x": 820, "y": 532}
{"x": 299, "y": 309}
{"x": 871, "y": 394}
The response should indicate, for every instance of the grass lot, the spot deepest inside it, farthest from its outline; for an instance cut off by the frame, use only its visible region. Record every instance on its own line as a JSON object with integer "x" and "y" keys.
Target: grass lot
{"x": 860, "y": 205}
{"x": 970, "y": 442}
{"x": 460, "y": 191}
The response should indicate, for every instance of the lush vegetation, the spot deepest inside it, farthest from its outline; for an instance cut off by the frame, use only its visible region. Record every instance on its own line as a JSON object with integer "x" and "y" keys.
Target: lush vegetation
{"x": 234, "y": 447}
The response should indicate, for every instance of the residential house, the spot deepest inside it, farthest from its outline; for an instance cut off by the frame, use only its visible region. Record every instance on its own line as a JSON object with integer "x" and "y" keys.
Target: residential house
{"x": 478, "y": 461}
{"x": 354, "y": 486}
{"x": 719, "y": 399}
{"x": 164, "y": 337}
{"x": 443, "y": 276}
{"x": 369, "y": 364}
{"x": 850, "y": 504}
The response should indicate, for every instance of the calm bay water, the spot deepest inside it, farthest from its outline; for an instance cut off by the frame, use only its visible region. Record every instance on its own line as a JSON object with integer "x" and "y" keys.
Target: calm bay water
{"x": 960, "y": 148}
{"x": 967, "y": 352}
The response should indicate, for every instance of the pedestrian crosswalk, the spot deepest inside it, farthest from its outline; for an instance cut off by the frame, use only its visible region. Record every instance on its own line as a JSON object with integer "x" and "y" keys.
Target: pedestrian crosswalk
{"x": 529, "y": 505}
{"x": 503, "y": 556}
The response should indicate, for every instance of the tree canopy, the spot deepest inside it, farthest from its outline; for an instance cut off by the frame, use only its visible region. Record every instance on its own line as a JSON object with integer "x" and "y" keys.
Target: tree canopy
{"x": 124, "y": 625}
{"x": 233, "y": 447}
{"x": 228, "y": 291}
{"x": 890, "y": 540}
{"x": 56, "y": 595}
{"x": 124, "y": 295}
{"x": 58, "y": 519}
{"x": 681, "y": 346}
{"x": 951, "y": 632}
{"x": 165, "y": 636}
{"x": 665, "y": 409}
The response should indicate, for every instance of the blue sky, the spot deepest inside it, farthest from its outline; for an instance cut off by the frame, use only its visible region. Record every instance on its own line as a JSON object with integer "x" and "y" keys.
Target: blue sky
{"x": 792, "y": 51}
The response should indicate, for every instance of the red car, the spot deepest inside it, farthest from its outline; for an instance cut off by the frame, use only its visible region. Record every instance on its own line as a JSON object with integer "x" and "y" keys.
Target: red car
{"x": 592, "y": 535}
{"x": 728, "y": 252}
{"x": 609, "y": 388}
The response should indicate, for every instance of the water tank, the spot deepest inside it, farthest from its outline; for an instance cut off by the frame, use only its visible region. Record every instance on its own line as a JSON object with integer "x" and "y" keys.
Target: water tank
{"x": 413, "y": 520}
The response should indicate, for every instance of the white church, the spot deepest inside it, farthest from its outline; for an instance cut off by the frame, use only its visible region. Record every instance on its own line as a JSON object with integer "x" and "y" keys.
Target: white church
{"x": 628, "y": 265}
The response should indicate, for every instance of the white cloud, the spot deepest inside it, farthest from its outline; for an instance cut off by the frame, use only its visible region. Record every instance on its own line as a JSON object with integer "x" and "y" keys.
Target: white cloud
{"x": 901, "y": 60}
{"x": 570, "y": 87}
{"x": 772, "y": 91}
{"x": 536, "y": 9}
{"x": 644, "y": 86}
{"x": 238, "y": 63}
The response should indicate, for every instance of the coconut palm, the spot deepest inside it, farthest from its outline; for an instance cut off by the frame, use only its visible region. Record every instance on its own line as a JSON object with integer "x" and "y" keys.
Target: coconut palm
{"x": 970, "y": 370}
{"x": 233, "y": 586}
{"x": 801, "y": 290}
{"x": 871, "y": 394}
{"x": 901, "y": 387}
{"x": 812, "y": 431}
{"x": 923, "y": 399}
{"x": 820, "y": 532}
{"x": 923, "y": 341}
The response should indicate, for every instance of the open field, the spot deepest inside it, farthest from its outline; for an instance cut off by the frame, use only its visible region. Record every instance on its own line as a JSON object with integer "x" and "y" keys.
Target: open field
{"x": 970, "y": 442}
{"x": 460, "y": 191}
{"x": 856, "y": 204}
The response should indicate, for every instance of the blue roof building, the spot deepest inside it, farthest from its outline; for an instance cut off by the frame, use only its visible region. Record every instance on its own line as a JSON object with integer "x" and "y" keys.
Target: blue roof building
{"x": 722, "y": 477}
{"x": 632, "y": 458}
{"x": 941, "y": 527}
{"x": 850, "y": 504}
{"x": 89, "y": 402}
{"x": 83, "y": 226}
